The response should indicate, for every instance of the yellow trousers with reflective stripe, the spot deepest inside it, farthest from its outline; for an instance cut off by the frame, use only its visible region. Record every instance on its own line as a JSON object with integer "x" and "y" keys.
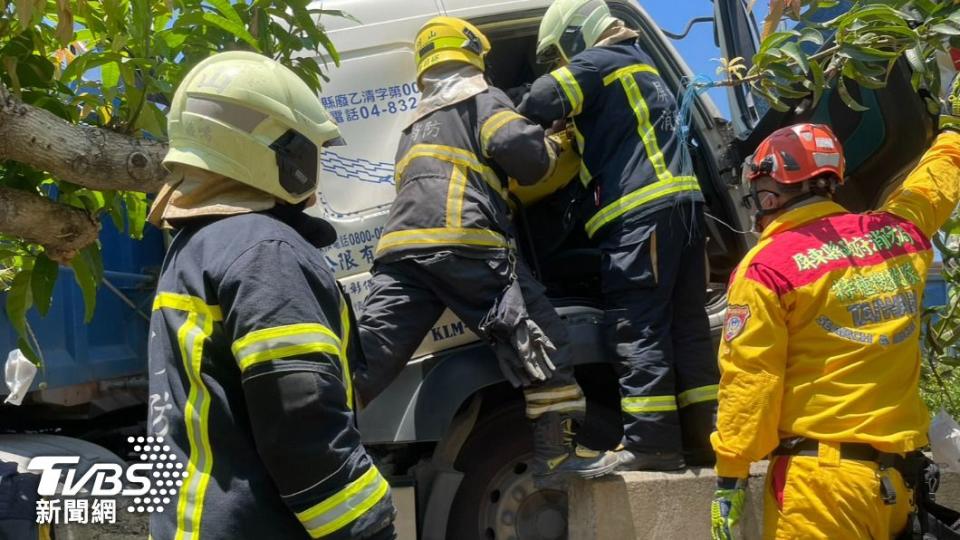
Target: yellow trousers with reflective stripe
{"x": 811, "y": 498}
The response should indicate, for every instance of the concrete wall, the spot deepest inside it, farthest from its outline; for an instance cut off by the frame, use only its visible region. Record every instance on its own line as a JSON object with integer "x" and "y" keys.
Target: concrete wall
{"x": 665, "y": 506}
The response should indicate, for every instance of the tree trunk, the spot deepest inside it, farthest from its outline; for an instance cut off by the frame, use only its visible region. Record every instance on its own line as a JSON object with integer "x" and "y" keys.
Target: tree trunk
{"x": 62, "y": 230}
{"x": 89, "y": 156}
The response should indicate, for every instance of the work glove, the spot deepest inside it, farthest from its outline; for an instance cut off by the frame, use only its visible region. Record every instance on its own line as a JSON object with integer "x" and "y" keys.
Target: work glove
{"x": 517, "y": 92}
{"x": 522, "y": 349}
{"x": 950, "y": 107}
{"x": 727, "y": 508}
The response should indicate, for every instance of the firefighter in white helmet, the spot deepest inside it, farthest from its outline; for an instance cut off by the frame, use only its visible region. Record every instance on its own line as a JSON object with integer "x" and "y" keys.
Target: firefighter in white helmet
{"x": 249, "y": 340}
{"x": 647, "y": 224}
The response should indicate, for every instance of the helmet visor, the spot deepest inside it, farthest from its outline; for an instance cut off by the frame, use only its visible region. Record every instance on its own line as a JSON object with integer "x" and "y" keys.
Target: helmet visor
{"x": 572, "y": 42}
{"x": 336, "y": 141}
{"x": 550, "y": 56}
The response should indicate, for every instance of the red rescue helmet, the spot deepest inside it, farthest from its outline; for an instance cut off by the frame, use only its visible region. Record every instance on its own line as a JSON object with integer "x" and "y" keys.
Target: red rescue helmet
{"x": 797, "y": 153}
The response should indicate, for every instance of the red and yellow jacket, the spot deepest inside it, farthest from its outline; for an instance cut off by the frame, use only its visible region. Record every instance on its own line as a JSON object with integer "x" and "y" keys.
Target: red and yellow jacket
{"x": 821, "y": 335}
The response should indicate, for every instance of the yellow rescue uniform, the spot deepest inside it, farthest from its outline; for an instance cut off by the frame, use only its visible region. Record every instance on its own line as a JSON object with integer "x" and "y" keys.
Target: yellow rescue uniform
{"x": 821, "y": 341}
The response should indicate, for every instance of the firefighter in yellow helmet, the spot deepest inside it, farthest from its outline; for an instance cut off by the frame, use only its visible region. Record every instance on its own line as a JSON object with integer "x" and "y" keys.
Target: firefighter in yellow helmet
{"x": 449, "y": 242}
{"x": 647, "y": 222}
{"x": 249, "y": 340}
{"x": 820, "y": 356}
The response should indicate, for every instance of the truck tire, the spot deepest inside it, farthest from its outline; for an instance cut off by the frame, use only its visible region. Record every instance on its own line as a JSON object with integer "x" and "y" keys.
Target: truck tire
{"x": 497, "y": 498}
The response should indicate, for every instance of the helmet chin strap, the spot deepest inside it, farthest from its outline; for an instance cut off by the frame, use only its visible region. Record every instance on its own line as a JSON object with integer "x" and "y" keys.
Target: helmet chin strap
{"x": 764, "y": 212}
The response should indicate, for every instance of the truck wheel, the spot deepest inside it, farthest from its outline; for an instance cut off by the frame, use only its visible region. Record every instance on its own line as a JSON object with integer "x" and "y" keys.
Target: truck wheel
{"x": 497, "y": 499}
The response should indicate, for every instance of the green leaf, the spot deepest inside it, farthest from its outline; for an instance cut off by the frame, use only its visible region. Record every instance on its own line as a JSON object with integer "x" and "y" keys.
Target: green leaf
{"x": 847, "y": 98}
{"x": 35, "y": 71}
{"x": 109, "y": 76}
{"x": 865, "y": 54}
{"x": 900, "y": 30}
{"x": 811, "y": 35}
{"x": 775, "y": 103}
{"x": 173, "y": 38}
{"x": 88, "y": 271}
{"x": 136, "y": 204}
{"x": 140, "y": 29}
{"x": 27, "y": 350}
{"x": 227, "y": 10}
{"x": 44, "y": 277}
{"x": 792, "y": 50}
{"x": 776, "y": 39}
{"x": 152, "y": 120}
{"x": 789, "y": 92}
{"x": 881, "y": 12}
{"x": 232, "y": 27}
{"x": 19, "y": 301}
{"x": 819, "y": 82}
{"x": 946, "y": 29}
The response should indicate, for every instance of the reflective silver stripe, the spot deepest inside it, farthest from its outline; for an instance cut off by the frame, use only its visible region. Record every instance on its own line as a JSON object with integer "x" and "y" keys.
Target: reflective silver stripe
{"x": 551, "y": 394}
{"x": 284, "y": 341}
{"x": 345, "y": 506}
{"x": 534, "y": 411}
{"x": 698, "y": 395}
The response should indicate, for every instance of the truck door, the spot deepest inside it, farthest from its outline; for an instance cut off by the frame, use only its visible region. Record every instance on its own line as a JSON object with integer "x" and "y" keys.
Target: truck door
{"x": 881, "y": 144}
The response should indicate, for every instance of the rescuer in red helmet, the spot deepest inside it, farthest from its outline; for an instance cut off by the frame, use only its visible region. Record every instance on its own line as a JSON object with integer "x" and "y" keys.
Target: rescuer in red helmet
{"x": 820, "y": 356}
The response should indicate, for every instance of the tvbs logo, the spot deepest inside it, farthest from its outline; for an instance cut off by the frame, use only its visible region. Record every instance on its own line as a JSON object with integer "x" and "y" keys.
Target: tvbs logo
{"x": 152, "y": 483}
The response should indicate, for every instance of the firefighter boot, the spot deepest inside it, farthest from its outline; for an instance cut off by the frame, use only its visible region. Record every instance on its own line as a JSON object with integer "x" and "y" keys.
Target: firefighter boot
{"x": 649, "y": 461}
{"x": 557, "y": 457}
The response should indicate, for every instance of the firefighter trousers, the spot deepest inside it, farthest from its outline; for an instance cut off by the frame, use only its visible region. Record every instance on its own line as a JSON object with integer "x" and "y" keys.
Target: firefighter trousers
{"x": 409, "y": 295}
{"x": 653, "y": 277}
{"x": 816, "y": 497}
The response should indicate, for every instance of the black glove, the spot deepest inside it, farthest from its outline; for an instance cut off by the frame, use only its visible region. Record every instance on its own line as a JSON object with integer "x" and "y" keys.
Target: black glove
{"x": 517, "y": 92}
{"x": 950, "y": 107}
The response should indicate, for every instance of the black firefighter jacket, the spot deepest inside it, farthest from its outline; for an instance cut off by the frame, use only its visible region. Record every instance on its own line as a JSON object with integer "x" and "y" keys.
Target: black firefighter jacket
{"x": 625, "y": 125}
{"x": 451, "y": 173}
{"x": 250, "y": 387}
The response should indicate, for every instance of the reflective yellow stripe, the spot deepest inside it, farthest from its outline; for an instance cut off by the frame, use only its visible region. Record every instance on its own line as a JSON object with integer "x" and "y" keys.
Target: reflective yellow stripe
{"x": 432, "y": 237}
{"x": 493, "y": 124}
{"x": 644, "y": 126}
{"x": 585, "y": 176}
{"x": 535, "y": 411}
{"x": 345, "y": 506}
{"x": 550, "y": 395}
{"x": 552, "y": 156}
{"x": 455, "y": 192}
{"x": 638, "y": 198}
{"x": 698, "y": 395}
{"x": 185, "y": 302}
{"x": 191, "y": 337}
{"x": 283, "y": 342}
{"x": 345, "y": 350}
{"x": 562, "y": 398}
{"x": 450, "y": 154}
{"x": 639, "y": 405}
{"x": 571, "y": 89}
{"x": 629, "y": 71}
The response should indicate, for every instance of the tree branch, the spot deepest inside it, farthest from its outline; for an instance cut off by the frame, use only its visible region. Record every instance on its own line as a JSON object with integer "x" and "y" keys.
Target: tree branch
{"x": 62, "y": 230}
{"x": 89, "y": 156}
